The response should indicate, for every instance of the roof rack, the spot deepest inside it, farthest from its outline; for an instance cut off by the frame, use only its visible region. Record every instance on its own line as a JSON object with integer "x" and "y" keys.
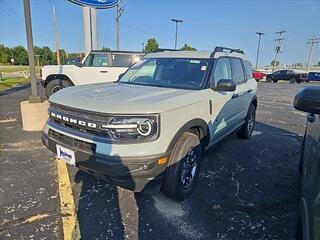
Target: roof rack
{"x": 225, "y": 50}
{"x": 165, "y": 49}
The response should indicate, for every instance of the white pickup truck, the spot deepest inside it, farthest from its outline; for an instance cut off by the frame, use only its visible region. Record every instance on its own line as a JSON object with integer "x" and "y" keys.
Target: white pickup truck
{"x": 96, "y": 67}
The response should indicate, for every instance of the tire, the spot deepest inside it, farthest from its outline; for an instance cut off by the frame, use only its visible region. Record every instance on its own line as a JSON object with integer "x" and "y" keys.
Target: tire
{"x": 269, "y": 79}
{"x": 292, "y": 80}
{"x": 247, "y": 128}
{"x": 184, "y": 166}
{"x": 56, "y": 85}
{"x": 307, "y": 80}
{"x": 275, "y": 81}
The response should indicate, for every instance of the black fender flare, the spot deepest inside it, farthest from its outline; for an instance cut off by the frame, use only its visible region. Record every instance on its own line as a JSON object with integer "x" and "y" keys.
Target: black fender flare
{"x": 194, "y": 123}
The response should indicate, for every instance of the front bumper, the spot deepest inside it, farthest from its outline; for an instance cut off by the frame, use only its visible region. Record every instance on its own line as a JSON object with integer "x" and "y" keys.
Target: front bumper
{"x": 135, "y": 174}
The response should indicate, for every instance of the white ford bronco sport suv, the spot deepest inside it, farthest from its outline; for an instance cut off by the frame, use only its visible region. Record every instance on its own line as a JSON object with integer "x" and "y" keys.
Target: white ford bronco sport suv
{"x": 153, "y": 125}
{"x": 98, "y": 66}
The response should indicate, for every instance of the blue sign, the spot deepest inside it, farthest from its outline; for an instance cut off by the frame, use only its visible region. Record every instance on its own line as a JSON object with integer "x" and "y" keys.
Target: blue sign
{"x": 96, "y": 3}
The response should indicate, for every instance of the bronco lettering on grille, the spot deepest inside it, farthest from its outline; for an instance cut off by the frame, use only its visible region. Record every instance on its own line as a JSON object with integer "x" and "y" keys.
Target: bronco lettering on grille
{"x": 73, "y": 120}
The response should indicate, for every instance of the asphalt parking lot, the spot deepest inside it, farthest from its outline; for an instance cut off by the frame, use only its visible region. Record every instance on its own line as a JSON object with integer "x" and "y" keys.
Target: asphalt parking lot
{"x": 248, "y": 189}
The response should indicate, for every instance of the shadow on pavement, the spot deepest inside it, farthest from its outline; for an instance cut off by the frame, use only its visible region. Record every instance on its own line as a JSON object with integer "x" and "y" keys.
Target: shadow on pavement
{"x": 247, "y": 189}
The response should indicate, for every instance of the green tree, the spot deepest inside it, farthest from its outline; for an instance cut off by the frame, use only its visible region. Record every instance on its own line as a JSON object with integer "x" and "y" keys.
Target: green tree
{"x": 5, "y": 54}
{"x": 20, "y": 55}
{"x": 276, "y": 64}
{"x": 151, "y": 46}
{"x": 187, "y": 47}
{"x": 47, "y": 56}
{"x": 63, "y": 56}
{"x": 105, "y": 49}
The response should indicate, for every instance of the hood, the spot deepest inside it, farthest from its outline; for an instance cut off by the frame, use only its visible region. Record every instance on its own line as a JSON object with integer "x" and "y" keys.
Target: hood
{"x": 121, "y": 98}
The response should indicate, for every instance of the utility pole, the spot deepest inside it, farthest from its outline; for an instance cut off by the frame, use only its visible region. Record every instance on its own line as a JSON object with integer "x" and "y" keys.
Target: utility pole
{"x": 311, "y": 44}
{"x": 277, "y": 48}
{"x": 260, "y": 34}
{"x": 177, "y": 21}
{"x": 56, "y": 42}
{"x": 34, "y": 98}
{"x": 119, "y": 14}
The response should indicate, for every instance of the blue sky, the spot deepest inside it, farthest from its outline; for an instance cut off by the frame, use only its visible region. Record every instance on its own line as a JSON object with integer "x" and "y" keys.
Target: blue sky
{"x": 207, "y": 23}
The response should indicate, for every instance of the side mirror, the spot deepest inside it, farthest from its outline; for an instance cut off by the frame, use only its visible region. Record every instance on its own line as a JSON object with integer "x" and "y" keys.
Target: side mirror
{"x": 80, "y": 64}
{"x": 308, "y": 100}
{"x": 227, "y": 85}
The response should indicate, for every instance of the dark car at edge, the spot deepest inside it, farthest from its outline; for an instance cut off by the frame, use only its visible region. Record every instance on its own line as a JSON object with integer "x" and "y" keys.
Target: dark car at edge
{"x": 308, "y": 227}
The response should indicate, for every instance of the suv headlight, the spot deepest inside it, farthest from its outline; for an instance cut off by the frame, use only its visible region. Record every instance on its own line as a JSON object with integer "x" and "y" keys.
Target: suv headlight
{"x": 134, "y": 128}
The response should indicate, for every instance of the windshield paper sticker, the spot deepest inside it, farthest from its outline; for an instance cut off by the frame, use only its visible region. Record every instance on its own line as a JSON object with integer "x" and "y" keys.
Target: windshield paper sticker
{"x": 203, "y": 68}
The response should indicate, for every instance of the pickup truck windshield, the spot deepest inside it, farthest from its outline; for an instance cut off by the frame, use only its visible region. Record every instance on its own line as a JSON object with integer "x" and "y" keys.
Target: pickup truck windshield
{"x": 168, "y": 72}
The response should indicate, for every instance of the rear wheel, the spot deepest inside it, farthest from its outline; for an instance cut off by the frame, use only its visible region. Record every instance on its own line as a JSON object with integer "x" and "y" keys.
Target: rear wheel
{"x": 56, "y": 85}
{"x": 182, "y": 174}
{"x": 269, "y": 79}
{"x": 247, "y": 128}
{"x": 293, "y": 80}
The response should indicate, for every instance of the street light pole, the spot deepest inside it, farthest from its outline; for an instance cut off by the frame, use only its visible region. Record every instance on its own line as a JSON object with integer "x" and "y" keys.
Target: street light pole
{"x": 34, "y": 98}
{"x": 258, "y": 51}
{"x": 177, "y": 21}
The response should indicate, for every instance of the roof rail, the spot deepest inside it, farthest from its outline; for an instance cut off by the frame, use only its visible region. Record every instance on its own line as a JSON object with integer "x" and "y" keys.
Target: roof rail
{"x": 225, "y": 49}
{"x": 165, "y": 49}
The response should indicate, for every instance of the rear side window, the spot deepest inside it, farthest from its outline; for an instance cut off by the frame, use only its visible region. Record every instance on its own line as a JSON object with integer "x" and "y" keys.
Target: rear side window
{"x": 96, "y": 60}
{"x": 222, "y": 70}
{"x": 121, "y": 60}
{"x": 248, "y": 69}
{"x": 237, "y": 70}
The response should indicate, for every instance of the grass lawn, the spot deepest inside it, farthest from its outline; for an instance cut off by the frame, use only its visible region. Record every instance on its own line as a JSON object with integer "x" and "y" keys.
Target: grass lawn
{"x": 12, "y": 69}
{"x": 7, "y": 83}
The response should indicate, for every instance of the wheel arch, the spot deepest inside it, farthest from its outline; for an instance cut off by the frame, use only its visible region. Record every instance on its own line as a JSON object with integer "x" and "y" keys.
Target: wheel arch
{"x": 57, "y": 76}
{"x": 197, "y": 126}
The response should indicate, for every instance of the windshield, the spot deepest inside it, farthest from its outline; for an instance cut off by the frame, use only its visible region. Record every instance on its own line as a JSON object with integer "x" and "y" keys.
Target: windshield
{"x": 168, "y": 72}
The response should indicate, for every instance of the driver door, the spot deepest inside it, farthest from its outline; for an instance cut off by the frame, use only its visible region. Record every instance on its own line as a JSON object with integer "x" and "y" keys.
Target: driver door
{"x": 224, "y": 103}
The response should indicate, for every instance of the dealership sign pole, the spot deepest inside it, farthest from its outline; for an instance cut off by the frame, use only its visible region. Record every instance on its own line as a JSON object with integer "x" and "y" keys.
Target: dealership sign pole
{"x": 89, "y": 19}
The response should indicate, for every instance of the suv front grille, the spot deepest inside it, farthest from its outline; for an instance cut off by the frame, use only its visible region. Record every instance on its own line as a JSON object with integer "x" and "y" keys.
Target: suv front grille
{"x": 82, "y": 145}
{"x": 96, "y": 119}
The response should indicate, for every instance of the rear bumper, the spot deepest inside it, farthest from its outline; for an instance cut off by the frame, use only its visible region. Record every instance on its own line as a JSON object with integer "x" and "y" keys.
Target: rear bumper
{"x": 135, "y": 174}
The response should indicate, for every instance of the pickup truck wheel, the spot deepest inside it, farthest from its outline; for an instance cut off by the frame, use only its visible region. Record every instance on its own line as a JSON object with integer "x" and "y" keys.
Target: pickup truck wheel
{"x": 247, "y": 128}
{"x": 184, "y": 167}
{"x": 56, "y": 85}
{"x": 293, "y": 80}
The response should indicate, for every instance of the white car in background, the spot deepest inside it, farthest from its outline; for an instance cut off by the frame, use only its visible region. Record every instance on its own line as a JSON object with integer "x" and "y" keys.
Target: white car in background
{"x": 97, "y": 67}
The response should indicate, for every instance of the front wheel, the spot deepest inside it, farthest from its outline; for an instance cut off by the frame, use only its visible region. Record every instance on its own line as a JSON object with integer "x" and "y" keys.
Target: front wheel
{"x": 56, "y": 85}
{"x": 184, "y": 167}
{"x": 247, "y": 128}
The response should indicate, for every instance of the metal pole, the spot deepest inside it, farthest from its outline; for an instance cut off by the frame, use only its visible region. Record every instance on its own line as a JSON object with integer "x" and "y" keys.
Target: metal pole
{"x": 177, "y": 21}
{"x": 175, "y": 44}
{"x": 118, "y": 27}
{"x": 56, "y": 41}
{"x": 258, "y": 51}
{"x": 312, "y": 43}
{"x": 34, "y": 98}
{"x": 277, "y": 50}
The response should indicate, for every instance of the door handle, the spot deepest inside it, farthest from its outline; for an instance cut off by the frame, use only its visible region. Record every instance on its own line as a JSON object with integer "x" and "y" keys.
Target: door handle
{"x": 104, "y": 71}
{"x": 235, "y": 95}
{"x": 311, "y": 118}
